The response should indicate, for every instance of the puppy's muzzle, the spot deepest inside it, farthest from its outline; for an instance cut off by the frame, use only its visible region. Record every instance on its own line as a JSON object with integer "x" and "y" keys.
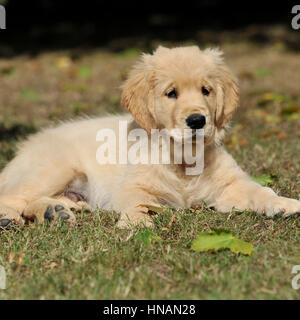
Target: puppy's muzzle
{"x": 196, "y": 121}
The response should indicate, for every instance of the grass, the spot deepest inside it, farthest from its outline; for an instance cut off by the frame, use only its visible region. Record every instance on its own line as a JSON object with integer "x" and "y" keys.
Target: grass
{"x": 97, "y": 261}
{"x": 94, "y": 260}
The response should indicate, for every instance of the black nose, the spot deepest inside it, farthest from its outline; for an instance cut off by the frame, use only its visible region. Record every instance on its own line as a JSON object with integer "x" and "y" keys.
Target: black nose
{"x": 195, "y": 121}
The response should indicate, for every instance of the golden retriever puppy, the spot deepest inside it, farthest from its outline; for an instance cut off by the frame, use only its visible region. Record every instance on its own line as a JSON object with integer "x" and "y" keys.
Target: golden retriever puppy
{"x": 180, "y": 88}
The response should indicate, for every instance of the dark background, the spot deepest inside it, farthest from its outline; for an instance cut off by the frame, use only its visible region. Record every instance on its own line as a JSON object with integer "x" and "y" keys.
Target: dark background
{"x": 38, "y": 25}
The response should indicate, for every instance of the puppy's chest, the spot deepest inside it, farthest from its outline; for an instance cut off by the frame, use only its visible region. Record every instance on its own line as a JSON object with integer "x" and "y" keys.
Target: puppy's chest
{"x": 184, "y": 193}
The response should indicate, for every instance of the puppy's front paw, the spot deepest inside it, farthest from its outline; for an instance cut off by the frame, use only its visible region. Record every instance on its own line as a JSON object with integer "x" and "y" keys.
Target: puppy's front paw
{"x": 9, "y": 216}
{"x": 48, "y": 211}
{"x": 283, "y": 206}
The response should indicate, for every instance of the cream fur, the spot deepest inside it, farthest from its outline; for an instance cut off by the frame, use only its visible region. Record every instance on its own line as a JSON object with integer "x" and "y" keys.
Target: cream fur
{"x": 64, "y": 158}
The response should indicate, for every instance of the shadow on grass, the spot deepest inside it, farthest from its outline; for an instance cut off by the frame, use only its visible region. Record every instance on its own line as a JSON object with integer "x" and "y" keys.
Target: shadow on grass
{"x": 9, "y": 138}
{"x": 15, "y": 131}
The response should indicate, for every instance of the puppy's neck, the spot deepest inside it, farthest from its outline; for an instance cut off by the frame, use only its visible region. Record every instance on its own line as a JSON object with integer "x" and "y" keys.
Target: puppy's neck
{"x": 180, "y": 169}
{"x": 209, "y": 159}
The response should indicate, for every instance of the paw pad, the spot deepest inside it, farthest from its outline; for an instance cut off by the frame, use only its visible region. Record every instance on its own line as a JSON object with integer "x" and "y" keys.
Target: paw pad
{"x": 5, "y": 222}
{"x": 64, "y": 216}
{"x": 55, "y": 211}
{"x": 49, "y": 214}
{"x": 58, "y": 207}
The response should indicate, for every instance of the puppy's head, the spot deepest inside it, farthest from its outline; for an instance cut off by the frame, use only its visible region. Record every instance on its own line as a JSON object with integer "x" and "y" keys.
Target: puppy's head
{"x": 182, "y": 88}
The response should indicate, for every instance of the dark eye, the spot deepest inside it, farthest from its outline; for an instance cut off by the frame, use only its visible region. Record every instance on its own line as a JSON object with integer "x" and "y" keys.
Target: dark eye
{"x": 205, "y": 91}
{"x": 172, "y": 94}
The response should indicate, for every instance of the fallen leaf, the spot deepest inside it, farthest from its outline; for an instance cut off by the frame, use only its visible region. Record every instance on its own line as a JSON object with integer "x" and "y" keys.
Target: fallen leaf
{"x": 237, "y": 127}
{"x": 271, "y": 97}
{"x": 63, "y": 62}
{"x": 247, "y": 75}
{"x": 263, "y": 72}
{"x": 84, "y": 72}
{"x": 281, "y": 135}
{"x": 258, "y": 113}
{"x": 290, "y": 112}
{"x": 293, "y": 116}
{"x": 272, "y": 133}
{"x": 53, "y": 265}
{"x": 221, "y": 239}
{"x": 280, "y": 46}
{"x": 30, "y": 95}
{"x": 268, "y": 291}
{"x": 147, "y": 236}
{"x": 153, "y": 209}
{"x": 277, "y": 97}
{"x": 265, "y": 179}
{"x": 11, "y": 257}
{"x": 130, "y": 52}
{"x": 269, "y": 133}
{"x": 170, "y": 223}
{"x": 289, "y": 109}
{"x": 272, "y": 118}
{"x": 242, "y": 142}
{"x": 9, "y": 70}
{"x": 20, "y": 259}
{"x": 235, "y": 141}
{"x": 262, "y": 103}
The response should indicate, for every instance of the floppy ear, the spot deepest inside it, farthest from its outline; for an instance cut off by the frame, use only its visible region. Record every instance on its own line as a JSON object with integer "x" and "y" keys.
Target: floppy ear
{"x": 137, "y": 94}
{"x": 227, "y": 96}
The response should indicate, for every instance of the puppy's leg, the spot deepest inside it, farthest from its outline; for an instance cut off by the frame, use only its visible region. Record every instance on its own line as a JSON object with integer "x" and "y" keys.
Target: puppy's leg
{"x": 48, "y": 209}
{"x": 245, "y": 194}
{"x": 43, "y": 167}
{"x": 233, "y": 188}
{"x": 129, "y": 203}
{"x": 26, "y": 192}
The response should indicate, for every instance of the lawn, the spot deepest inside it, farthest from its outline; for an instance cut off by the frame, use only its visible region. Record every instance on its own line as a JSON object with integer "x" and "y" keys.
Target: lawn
{"x": 95, "y": 260}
